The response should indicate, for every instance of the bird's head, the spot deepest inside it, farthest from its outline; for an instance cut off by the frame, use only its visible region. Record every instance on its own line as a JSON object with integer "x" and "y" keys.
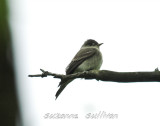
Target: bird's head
{"x": 91, "y": 43}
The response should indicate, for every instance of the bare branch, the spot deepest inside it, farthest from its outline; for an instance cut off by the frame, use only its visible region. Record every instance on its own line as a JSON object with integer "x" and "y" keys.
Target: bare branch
{"x": 106, "y": 75}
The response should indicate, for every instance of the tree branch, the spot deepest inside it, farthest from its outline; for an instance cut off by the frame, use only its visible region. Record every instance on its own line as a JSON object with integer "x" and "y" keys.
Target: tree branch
{"x": 106, "y": 75}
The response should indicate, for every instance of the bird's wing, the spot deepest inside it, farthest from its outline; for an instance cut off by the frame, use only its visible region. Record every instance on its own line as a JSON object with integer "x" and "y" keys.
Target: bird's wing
{"x": 81, "y": 56}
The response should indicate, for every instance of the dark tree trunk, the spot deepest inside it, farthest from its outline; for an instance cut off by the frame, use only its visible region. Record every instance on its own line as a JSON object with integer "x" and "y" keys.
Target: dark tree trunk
{"x": 8, "y": 98}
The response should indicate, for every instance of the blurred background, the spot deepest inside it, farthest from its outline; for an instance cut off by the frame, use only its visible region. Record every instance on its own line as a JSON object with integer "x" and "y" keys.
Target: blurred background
{"x": 9, "y": 107}
{"x": 47, "y": 34}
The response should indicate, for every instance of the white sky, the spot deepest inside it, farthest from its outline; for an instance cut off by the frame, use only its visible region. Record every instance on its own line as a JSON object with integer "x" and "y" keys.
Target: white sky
{"x": 47, "y": 34}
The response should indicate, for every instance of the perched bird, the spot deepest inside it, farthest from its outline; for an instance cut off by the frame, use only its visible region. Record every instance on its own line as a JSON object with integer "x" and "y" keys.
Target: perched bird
{"x": 88, "y": 58}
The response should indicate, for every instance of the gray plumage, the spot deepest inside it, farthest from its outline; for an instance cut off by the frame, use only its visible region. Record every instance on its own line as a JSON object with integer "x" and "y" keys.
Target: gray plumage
{"x": 88, "y": 58}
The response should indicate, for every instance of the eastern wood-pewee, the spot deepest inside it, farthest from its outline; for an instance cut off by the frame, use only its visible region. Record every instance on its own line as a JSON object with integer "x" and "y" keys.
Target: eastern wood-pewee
{"x": 88, "y": 58}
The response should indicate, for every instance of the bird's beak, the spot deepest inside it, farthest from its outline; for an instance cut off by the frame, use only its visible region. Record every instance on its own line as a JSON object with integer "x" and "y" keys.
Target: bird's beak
{"x": 100, "y": 44}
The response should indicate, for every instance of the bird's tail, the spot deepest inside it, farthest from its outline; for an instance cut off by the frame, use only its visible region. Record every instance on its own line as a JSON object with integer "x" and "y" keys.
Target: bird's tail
{"x": 62, "y": 86}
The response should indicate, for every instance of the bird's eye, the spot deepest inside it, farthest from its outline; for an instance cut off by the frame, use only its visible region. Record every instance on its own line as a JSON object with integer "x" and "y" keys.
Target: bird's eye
{"x": 93, "y": 44}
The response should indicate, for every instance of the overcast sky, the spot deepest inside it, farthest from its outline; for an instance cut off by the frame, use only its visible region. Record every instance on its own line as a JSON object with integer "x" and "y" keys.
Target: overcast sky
{"x": 47, "y": 34}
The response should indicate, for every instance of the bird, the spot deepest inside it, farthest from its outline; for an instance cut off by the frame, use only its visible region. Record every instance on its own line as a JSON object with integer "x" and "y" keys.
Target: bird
{"x": 89, "y": 57}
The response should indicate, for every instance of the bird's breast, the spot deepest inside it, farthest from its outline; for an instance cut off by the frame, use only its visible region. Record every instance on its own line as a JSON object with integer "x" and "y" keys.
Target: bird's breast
{"x": 92, "y": 63}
